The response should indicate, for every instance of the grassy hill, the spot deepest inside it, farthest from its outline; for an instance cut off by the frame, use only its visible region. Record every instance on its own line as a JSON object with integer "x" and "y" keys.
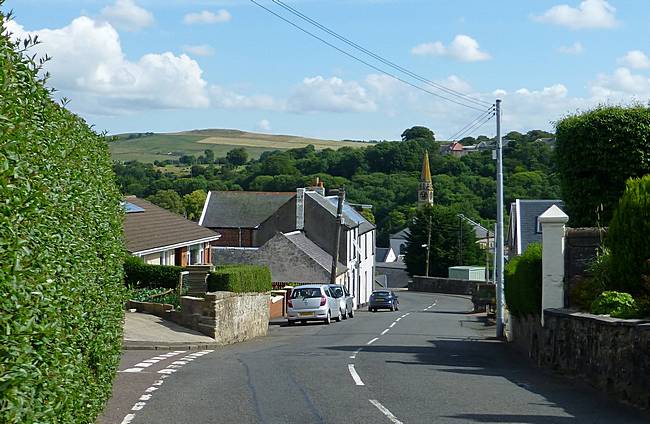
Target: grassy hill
{"x": 147, "y": 147}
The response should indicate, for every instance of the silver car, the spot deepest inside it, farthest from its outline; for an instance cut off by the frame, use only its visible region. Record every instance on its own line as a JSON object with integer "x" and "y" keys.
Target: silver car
{"x": 312, "y": 302}
{"x": 346, "y": 302}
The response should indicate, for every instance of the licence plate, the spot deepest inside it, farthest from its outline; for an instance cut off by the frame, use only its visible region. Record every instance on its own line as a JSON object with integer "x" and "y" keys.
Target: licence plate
{"x": 306, "y": 314}
{"x": 380, "y": 299}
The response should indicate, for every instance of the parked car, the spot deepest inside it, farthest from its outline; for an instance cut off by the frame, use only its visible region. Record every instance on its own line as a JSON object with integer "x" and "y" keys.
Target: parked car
{"x": 383, "y": 299}
{"x": 346, "y": 302}
{"x": 312, "y": 302}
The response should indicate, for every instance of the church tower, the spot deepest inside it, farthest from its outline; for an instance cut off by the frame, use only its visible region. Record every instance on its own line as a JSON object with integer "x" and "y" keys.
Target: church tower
{"x": 425, "y": 191}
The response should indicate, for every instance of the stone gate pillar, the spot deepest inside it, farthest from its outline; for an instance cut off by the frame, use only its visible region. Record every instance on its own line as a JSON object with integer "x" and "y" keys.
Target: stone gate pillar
{"x": 553, "y": 227}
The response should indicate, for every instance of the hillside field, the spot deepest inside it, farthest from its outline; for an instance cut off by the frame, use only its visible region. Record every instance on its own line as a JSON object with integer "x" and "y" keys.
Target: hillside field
{"x": 150, "y": 147}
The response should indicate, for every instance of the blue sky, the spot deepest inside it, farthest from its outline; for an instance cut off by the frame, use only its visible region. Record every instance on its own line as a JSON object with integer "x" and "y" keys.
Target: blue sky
{"x": 170, "y": 65}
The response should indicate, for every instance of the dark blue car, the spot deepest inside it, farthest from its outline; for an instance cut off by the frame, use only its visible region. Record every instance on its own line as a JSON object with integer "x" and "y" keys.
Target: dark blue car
{"x": 383, "y": 299}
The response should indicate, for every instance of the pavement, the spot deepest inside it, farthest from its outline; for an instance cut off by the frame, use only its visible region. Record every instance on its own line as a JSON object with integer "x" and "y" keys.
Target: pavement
{"x": 433, "y": 361}
{"x": 149, "y": 332}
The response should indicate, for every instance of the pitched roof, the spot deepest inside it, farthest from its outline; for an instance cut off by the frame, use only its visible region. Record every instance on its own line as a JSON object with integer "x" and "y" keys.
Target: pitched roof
{"x": 526, "y": 214}
{"x": 321, "y": 257}
{"x": 350, "y": 215}
{"x": 403, "y": 234}
{"x": 381, "y": 253}
{"x": 241, "y": 209}
{"x": 153, "y": 227}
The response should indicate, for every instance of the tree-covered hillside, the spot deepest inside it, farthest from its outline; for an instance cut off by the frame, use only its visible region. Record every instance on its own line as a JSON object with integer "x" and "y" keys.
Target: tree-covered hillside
{"x": 385, "y": 175}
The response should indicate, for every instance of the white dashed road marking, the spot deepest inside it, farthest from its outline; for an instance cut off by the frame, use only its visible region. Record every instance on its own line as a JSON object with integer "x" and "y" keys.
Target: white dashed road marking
{"x": 393, "y": 324}
{"x": 385, "y": 331}
{"x": 372, "y": 341}
{"x": 355, "y": 376}
{"x": 385, "y": 411}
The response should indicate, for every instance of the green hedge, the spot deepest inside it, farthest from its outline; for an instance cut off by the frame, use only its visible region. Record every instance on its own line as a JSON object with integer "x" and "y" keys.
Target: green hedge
{"x": 523, "y": 282}
{"x": 140, "y": 275}
{"x": 61, "y": 254}
{"x": 240, "y": 279}
{"x": 628, "y": 239}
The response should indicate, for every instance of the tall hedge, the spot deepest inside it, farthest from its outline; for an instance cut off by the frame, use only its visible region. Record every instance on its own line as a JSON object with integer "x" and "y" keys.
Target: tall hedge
{"x": 140, "y": 275}
{"x": 596, "y": 153}
{"x": 523, "y": 282}
{"x": 628, "y": 239}
{"x": 240, "y": 279}
{"x": 60, "y": 254}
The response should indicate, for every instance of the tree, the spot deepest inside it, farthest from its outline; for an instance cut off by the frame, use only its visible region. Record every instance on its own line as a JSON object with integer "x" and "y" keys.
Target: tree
{"x": 209, "y": 156}
{"x": 237, "y": 157}
{"x": 193, "y": 204}
{"x": 596, "y": 153}
{"x": 414, "y": 133}
{"x": 445, "y": 248}
{"x": 169, "y": 200}
{"x": 187, "y": 160}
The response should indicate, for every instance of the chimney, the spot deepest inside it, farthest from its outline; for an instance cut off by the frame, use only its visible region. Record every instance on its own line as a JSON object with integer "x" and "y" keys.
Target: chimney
{"x": 318, "y": 187}
{"x": 300, "y": 209}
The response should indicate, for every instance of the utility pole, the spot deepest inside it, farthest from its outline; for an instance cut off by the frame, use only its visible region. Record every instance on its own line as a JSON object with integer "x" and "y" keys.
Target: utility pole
{"x": 499, "y": 234}
{"x": 460, "y": 242}
{"x": 339, "y": 222}
{"x": 426, "y": 271}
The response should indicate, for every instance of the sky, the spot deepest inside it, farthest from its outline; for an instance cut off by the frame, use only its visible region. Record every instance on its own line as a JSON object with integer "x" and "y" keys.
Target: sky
{"x": 173, "y": 65}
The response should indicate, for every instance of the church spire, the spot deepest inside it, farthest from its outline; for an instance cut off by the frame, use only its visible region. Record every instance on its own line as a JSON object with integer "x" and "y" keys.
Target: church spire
{"x": 425, "y": 190}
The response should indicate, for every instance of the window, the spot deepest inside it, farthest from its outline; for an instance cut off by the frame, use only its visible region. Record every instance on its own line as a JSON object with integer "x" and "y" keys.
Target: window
{"x": 196, "y": 254}
{"x": 402, "y": 249}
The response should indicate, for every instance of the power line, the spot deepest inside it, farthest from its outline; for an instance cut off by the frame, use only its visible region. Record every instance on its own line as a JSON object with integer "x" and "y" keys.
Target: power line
{"x": 471, "y": 123}
{"x": 361, "y": 60}
{"x": 370, "y": 53}
{"x": 478, "y": 125}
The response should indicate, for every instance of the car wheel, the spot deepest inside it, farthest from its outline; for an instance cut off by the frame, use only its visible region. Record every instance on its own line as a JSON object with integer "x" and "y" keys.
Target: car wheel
{"x": 338, "y": 318}
{"x": 344, "y": 314}
{"x": 291, "y": 323}
{"x": 392, "y": 308}
{"x": 351, "y": 314}
{"x": 328, "y": 320}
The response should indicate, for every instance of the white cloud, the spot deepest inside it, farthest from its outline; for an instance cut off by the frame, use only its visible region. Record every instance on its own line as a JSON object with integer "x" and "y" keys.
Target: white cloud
{"x": 199, "y": 50}
{"x": 264, "y": 125}
{"x": 622, "y": 85}
{"x": 320, "y": 94}
{"x": 589, "y": 14}
{"x": 635, "y": 59}
{"x": 207, "y": 17}
{"x": 127, "y": 15}
{"x": 228, "y": 99}
{"x": 575, "y": 49}
{"x": 463, "y": 48}
{"x": 87, "y": 59}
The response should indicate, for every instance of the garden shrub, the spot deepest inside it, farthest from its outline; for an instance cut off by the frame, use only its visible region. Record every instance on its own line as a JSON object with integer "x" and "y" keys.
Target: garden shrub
{"x": 615, "y": 304}
{"x": 596, "y": 152}
{"x": 629, "y": 239}
{"x": 240, "y": 279}
{"x": 61, "y": 254}
{"x": 141, "y": 275}
{"x": 585, "y": 291}
{"x": 523, "y": 282}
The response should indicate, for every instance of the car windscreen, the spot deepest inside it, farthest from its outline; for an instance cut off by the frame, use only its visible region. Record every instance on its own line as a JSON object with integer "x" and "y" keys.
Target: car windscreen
{"x": 381, "y": 293}
{"x": 336, "y": 292}
{"x": 306, "y": 293}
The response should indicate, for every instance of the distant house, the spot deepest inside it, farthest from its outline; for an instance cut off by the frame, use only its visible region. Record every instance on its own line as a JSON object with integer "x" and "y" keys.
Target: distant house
{"x": 524, "y": 227}
{"x": 385, "y": 254}
{"x": 454, "y": 149}
{"x": 484, "y": 237}
{"x": 291, "y": 257}
{"x": 161, "y": 237}
{"x": 398, "y": 242}
{"x": 251, "y": 219}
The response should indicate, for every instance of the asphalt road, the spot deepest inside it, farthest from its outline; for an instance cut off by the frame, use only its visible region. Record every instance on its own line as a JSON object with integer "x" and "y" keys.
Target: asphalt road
{"x": 430, "y": 362}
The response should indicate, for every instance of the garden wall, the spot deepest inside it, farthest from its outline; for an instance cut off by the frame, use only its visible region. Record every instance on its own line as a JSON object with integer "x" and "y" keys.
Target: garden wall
{"x": 443, "y": 285}
{"x": 611, "y": 354}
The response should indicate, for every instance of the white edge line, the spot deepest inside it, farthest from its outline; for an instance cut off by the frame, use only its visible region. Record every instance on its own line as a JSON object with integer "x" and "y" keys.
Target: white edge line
{"x": 355, "y": 376}
{"x": 372, "y": 341}
{"x": 393, "y": 325}
{"x": 385, "y": 411}
{"x": 385, "y": 331}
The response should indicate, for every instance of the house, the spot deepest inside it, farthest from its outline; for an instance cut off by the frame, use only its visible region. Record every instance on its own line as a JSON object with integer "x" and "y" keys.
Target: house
{"x": 243, "y": 218}
{"x": 385, "y": 254}
{"x": 398, "y": 242}
{"x": 161, "y": 237}
{"x": 291, "y": 257}
{"x": 453, "y": 148}
{"x": 524, "y": 227}
{"x": 251, "y": 219}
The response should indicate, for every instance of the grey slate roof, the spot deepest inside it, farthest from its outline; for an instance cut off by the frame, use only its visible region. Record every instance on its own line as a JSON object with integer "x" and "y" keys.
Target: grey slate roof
{"x": 526, "y": 220}
{"x": 351, "y": 213}
{"x": 381, "y": 253}
{"x": 331, "y": 208}
{"x": 400, "y": 234}
{"x": 156, "y": 227}
{"x": 320, "y": 256}
{"x": 241, "y": 209}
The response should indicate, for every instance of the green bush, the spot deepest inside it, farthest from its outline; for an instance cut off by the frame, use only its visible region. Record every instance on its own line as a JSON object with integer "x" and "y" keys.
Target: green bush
{"x": 629, "y": 239}
{"x": 585, "y": 291}
{"x": 240, "y": 279}
{"x": 596, "y": 152}
{"x": 615, "y": 304}
{"x": 140, "y": 275}
{"x": 523, "y": 282}
{"x": 154, "y": 295}
{"x": 61, "y": 254}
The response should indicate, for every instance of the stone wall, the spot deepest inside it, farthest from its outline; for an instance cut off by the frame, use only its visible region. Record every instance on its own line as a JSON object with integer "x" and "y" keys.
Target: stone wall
{"x": 611, "y": 354}
{"x": 442, "y": 285}
{"x": 234, "y": 317}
